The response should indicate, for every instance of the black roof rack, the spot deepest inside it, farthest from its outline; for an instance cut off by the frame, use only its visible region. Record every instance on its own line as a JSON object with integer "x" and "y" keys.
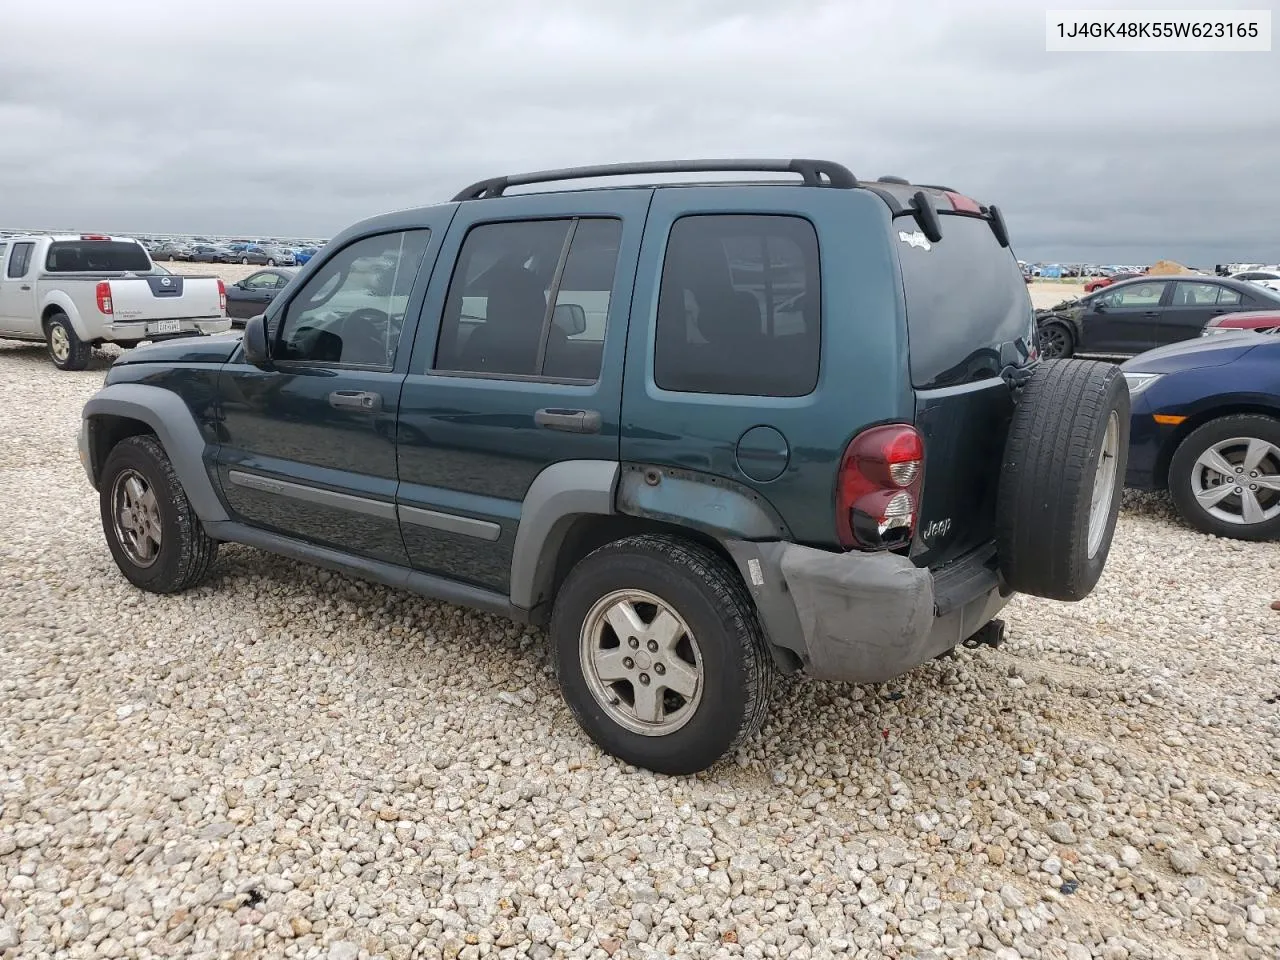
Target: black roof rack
{"x": 934, "y": 186}
{"x": 889, "y": 179}
{"x": 812, "y": 171}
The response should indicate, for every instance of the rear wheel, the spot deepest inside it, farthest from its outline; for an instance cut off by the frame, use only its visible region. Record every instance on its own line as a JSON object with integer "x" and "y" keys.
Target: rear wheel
{"x": 66, "y": 350}
{"x": 1056, "y": 341}
{"x": 1063, "y": 470}
{"x": 244, "y": 260}
{"x": 1225, "y": 477}
{"x": 659, "y": 653}
{"x": 270, "y": 262}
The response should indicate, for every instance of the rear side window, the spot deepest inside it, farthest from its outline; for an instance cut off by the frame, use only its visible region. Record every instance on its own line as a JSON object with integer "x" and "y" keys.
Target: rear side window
{"x": 1195, "y": 294}
{"x": 739, "y": 307}
{"x": 530, "y": 299}
{"x": 77, "y": 256}
{"x": 1228, "y": 297}
{"x": 19, "y": 260}
{"x": 966, "y": 299}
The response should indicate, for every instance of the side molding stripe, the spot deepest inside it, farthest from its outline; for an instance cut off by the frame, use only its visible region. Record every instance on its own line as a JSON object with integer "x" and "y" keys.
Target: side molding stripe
{"x": 326, "y": 498}
{"x": 450, "y": 523}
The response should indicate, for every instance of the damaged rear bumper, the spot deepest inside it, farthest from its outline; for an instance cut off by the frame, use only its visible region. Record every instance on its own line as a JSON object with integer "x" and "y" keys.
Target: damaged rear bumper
{"x": 866, "y": 618}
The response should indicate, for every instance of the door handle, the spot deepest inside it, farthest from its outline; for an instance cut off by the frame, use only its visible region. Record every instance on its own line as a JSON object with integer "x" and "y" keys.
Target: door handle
{"x": 1152, "y": 313}
{"x": 26, "y": 286}
{"x": 355, "y": 399}
{"x": 570, "y": 421}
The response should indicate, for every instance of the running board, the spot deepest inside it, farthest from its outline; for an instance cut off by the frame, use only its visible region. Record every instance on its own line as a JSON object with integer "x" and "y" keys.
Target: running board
{"x": 388, "y": 574}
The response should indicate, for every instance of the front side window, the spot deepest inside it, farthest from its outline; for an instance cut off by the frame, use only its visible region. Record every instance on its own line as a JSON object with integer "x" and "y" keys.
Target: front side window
{"x": 530, "y": 299}
{"x": 1146, "y": 294}
{"x": 19, "y": 260}
{"x": 352, "y": 309}
{"x": 263, "y": 281}
{"x": 739, "y": 307}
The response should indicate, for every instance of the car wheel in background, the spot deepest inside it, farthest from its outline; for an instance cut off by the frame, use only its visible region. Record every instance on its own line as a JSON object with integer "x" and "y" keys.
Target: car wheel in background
{"x": 271, "y": 262}
{"x": 1225, "y": 477}
{"x": 66, "y": 350}
{"x": 244, "y": 260}
{"x": 157, "y": 540}
{"x": 660, "y": 654}
{"x": 1061, "y": 478}
{"x": 1056, "y": 341}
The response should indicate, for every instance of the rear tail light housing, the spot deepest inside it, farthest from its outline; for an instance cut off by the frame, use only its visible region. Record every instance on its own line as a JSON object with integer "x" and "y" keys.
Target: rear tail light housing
{"x": 103, "y": 293}
{"x": 878, "y": 488}
{"x": 222, "y": 296}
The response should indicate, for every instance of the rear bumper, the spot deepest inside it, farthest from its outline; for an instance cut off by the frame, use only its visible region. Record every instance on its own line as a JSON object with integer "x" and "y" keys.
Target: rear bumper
{"x": 866, "y": 618}
{"x": 138, "y": 330}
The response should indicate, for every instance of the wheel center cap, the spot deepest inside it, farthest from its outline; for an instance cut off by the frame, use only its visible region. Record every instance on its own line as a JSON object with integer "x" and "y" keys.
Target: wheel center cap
{"x": 642, "y": 659}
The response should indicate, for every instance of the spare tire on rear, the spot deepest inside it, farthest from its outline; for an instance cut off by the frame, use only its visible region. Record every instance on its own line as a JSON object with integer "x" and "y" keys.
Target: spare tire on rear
{"x": 1061, "y": 479}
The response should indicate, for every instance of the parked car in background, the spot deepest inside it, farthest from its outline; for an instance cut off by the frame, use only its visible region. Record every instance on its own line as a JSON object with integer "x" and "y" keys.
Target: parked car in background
{"x": 1268, "y": 278}
{"x": 1097, "y": 283}
{"x": 209, "y": 253}
{"x": 1255, "y": 321}
{"x": 1132, "y": 316}
{"x": 171, "y": 250}
{"x": 77, "y": 292}
{"x": 482, "y": 432}
{"x": 1206, "y": 426}
{"x": 249, "y": 297}
{"x": 302, "y": 254}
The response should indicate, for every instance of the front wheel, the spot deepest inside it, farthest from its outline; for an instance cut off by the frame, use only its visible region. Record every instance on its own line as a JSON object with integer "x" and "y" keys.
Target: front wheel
{"x": 244, "y": 260}
{"x": 1225, "y": 477}
{"x": 66, "y": 350}
{"x": 660, "y": 654}
{"x": 270, "y": 262}
{"x": 157, "y": 540}
{"x": 1056, "y": 341}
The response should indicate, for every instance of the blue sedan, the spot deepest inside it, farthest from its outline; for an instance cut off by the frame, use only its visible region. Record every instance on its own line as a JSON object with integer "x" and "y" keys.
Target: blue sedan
{"x": 1206, "y": 427}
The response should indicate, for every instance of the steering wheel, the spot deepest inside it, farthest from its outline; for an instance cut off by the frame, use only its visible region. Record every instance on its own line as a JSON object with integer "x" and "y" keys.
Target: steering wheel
{"x": 364, "y": 335}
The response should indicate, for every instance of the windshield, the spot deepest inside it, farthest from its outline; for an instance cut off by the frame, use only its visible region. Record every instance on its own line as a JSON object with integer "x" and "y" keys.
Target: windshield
{"x": 965, "y": 299}
{"x": 78, "y": 256}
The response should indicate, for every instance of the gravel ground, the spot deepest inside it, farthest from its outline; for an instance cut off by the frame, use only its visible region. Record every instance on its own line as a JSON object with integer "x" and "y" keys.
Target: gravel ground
{"x": 286, "y": 762}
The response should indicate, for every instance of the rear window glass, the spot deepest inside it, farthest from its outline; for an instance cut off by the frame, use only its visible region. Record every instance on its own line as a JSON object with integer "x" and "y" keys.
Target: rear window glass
{"x": 965, "y": 298}
{"x": 739, "y": 307}
{"x": 75, "y": 256}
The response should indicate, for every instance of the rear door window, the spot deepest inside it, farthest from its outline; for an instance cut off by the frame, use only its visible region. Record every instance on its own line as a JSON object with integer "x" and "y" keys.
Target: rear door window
{"x": 19, "y": 260}
{"x": 739, "y": 306}
{"x": 966, "y": 299}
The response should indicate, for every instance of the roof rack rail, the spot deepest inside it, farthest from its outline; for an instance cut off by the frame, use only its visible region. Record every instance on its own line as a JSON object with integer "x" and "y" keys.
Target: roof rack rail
{"x": 935, "y": 186}
{"x": 812, "y": 171}
{"x": 889, "y": 179}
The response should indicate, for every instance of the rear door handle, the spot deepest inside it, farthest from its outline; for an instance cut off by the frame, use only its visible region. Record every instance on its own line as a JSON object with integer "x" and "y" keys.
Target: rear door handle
{"x": 570, "y": 421}
{"x": 356, "y": 399}
{"x": 26, "y": 286}
{"x": 1152, "y": 313}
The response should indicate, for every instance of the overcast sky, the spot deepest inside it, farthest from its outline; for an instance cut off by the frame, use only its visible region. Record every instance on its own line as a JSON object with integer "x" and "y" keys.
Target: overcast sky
{"x": 282, "y": 118}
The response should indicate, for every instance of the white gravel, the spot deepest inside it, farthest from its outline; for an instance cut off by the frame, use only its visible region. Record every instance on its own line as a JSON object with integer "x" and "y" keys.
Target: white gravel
{"x": 290, "y": 763}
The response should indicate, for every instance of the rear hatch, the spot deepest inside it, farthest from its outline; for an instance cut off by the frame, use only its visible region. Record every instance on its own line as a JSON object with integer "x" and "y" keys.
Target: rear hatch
{"x": 165, "y": 298}
{"x": 970, "y": 324}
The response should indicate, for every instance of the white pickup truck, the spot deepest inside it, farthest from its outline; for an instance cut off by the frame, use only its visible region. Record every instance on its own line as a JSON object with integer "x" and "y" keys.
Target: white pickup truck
{"x": 78, "y": 292}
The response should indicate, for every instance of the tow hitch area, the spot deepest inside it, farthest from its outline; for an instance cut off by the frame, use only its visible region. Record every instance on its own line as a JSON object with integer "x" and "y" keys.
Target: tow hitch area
{"x": 991, "y": 635}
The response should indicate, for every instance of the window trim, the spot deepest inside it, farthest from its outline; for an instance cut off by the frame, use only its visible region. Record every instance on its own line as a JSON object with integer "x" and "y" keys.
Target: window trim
{"x": 553, "y": 294}
{"x": 703, "y": 395}
{"x": 282, "y": 314}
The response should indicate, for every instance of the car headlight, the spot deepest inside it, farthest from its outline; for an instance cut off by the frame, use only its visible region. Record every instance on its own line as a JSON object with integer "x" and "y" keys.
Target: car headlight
{"x": 1140, "y": 381}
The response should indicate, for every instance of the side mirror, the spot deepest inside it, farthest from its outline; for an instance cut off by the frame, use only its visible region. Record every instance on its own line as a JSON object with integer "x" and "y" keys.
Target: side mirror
{"x": 1099, "y": 306}
{"x": 256, "y": 349}
{"x": 571, "y": 318}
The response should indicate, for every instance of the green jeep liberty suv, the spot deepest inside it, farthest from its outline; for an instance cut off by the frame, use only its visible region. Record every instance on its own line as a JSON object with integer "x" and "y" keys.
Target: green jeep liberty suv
{"x": 703, "y": 432}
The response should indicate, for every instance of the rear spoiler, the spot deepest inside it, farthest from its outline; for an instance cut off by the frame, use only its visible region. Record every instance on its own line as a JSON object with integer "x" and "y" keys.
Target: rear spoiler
{"x": 924, "y": 209}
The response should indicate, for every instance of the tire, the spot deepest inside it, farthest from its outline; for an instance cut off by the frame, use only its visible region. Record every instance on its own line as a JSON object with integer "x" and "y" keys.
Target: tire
{"x": 1046, "y": 536}
{"x": 1056, "y": 341}
{"x": 270, "y": 262}
{"x": 185, "y": 553}
{"x": 66, "y": 350}
{"x": 1186, "y": 474}
{"x": 244, "y": 260}
{"x": 734, "y": 670}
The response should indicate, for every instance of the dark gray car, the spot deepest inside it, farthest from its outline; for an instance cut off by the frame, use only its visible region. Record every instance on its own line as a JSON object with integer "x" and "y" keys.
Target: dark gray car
{"x": 1129, "y": 318}
{"x": 250, "y": 296}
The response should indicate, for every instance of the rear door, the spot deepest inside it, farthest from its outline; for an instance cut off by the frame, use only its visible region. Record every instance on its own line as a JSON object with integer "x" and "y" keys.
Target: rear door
{"x": 1193, "y": 304}
{"x": 517, "y": 366}
{"x": 1124, "y": 319}
{"x": 17, "y": 290}
{"x": 308, "y": 447}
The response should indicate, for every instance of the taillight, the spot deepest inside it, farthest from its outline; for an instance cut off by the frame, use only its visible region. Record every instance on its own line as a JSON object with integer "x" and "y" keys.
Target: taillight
{"x": 104, "y": 298}
{"x": 222, "y": 296}
{"x": 878, "y": 488}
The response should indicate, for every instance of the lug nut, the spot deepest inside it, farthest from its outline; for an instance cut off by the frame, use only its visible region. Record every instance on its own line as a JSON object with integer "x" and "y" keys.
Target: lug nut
{"x": 1239, "y": 490}
{"x": 653, "y": 646}
{"x": 1253, "y": 486}
{"x": 659, "y": 669}
{"x": 1239, "y": 469}
{"x": 633, "y": 643}
{"x": 628, "y": 662}
{"x": 644, "y": 679}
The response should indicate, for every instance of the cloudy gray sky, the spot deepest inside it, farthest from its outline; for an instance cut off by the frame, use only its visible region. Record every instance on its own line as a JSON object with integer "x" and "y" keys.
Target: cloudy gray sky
{"x": 301, "y": 117}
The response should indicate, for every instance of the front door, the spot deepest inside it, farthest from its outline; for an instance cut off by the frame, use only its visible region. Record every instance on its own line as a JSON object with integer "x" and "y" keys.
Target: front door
{"x": 1123, "y": 320}
{"x": 1193, "y": 304}
{"x": 517, "y": 366}
{"x": 308, "y": 447}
